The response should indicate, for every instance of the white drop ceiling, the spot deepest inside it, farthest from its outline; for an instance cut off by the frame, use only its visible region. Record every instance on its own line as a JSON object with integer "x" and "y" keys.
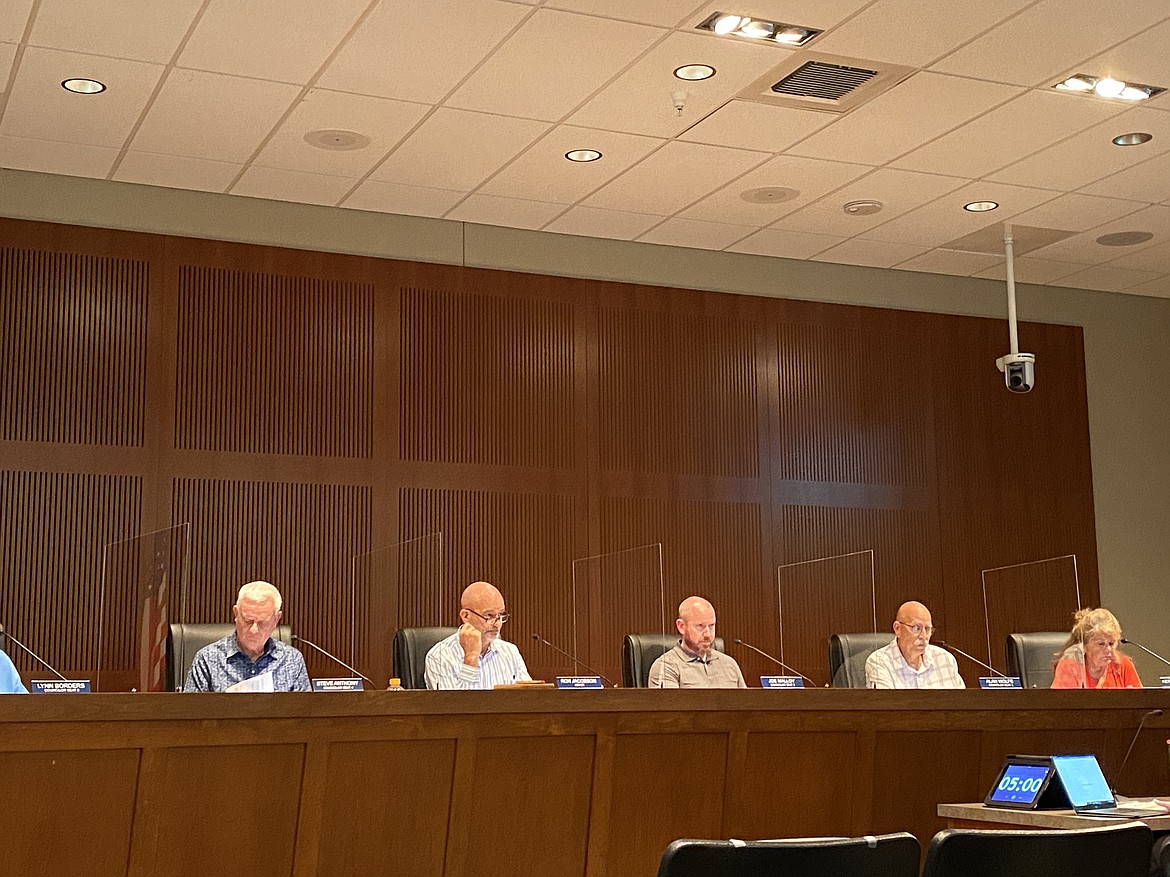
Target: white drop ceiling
{"x": 470, "y": 105}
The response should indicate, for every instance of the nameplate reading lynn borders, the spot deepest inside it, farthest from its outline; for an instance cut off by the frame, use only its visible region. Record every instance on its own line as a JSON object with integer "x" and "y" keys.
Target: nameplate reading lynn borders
{"x": 60, "y": 686}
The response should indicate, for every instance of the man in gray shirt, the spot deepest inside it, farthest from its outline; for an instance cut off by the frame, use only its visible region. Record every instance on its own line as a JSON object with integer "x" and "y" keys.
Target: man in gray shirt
{"x": 694, "y": 663}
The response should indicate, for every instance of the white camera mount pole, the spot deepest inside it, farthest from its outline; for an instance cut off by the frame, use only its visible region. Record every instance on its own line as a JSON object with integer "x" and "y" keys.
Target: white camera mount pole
{"x": 1009, "y": 254}
{"x": 1018, "y": 368}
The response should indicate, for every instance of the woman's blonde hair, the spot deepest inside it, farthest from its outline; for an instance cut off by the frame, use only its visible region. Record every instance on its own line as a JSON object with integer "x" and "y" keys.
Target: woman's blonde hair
{"x": 1087, "y": 623}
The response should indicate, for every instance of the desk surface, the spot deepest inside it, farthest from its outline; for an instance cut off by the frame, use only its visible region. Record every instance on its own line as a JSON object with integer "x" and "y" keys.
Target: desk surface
{"x": 997, "y": 817}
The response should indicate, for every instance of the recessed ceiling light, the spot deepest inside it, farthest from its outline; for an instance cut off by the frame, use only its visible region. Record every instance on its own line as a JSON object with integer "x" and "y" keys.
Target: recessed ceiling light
{"x": 694, "y": 72}
{"x": 1108, "y": 87}
{"x": 337, "y": 139}
{"x": 981, "y": 206}
{"x": 725, "y": 24}
{"x": 1125, "y": 238}
{"x": 863, "y": 207}
{"x": 83, "y": 86}
{"x": 583, "y": 155}
{"x": 1135, "y": 138}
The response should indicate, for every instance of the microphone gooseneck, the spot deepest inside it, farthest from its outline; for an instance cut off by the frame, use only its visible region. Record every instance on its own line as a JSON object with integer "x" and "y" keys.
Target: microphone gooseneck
{"x": 1150, "y": 715}
{"x": 775, "y": 661}
{"x": 335, "y": 659}
{"x": 1150, "y": 652}
{"x": 538, "y": 638}
{"x": 34, "y": 655}
{"x": 971, "y": 658}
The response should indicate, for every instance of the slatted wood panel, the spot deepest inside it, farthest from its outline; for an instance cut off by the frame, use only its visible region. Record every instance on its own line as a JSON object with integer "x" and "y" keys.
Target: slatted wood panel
{"x": 53, "y": 531}
{"x": 72, "y": 365}
{"x": 486, "y": 379}
{"x": 300, "y": 537}
{"x": 679, "y": 393}
{"x": 273, "y": 364}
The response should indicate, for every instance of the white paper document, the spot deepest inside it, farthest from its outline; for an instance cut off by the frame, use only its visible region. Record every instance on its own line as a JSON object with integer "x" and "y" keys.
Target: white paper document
{"x": 255, "y": 685}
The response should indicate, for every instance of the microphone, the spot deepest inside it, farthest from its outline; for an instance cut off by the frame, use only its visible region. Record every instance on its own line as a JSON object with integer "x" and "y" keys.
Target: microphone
{"x": 1154, "y": 654}
{"x": 1124, "y": 761}
{"x": 776, "y": 661}
{"x": 539, "y": 638}
{"x": 335, "y": 659}
{"x": 29, "y": 651}
{"x": 956, "y": 650}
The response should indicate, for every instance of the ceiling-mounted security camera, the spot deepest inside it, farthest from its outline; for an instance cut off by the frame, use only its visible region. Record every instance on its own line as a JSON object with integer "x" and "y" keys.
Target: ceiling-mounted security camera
{"x": 1019, "y": 369}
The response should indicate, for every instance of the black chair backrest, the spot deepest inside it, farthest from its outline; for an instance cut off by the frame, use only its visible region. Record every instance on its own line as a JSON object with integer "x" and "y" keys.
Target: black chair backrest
{"x": 847, "y": 655}
{"x": 1030, "y": 655}
{"x": 1121, "y": 850}
{"x": 411, "y": 645}
{"x": 887, "y": 855}
{"x": 185, "y": 639}
{"x": 641, "y": 650}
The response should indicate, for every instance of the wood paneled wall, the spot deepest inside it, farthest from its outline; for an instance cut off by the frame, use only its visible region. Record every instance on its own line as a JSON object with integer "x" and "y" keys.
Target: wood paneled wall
{"x": 300, "y": 409}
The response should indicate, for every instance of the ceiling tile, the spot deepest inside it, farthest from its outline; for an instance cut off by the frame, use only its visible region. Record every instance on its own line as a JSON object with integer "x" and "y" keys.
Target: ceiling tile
{"x": 399, "y": 198}
{"x": 1030, "y": 270}
{"x": 750, "y": 125}
{"x": 1106, "y": 277}
{"x": 952, "y": 262}
{"x": 7, "y": 56}
{"x": 822, "y": 14}
{"x": 1076, "y": 212}
{"x": 426, "y": 61}
{"x": 278, "y": 184}
{"x": 1084, "y": 247}
{"x": 1043, "y": 40}
{"x": 544, "y": 174}
{"x": 879, "y": 32}
{"x": 785, "y": 244}
{"x": 945, "y": 220}
{"x": 673, "y": 177}
{"x": 1159, "y": 288}
{"x": 869, "y": 253}
{"x": 457, "y": 150}
{"x": 176, "y": 172}
{"x": 508, "y": 212}
{"x": 810, "y": 177}
{"x": 284, "y": 40}
{"x": 898, "y": 191}
{"x": 39, "y": 107}
{"x": 142, "y": 30}
{"x": 693, "y": 233}
{"x": 14, "y": 19}
{"x": 52, "y": 157}
{"x": 1090, "y": 155}
{"x": 639, "y": 101}
{"x": 592, "y": 222}
{"x": 209, "y": 115}
{"x": 384, "y": 121}
{"x": 1148, "y": 181}
{"x": 894, "y": 122}
{"x": 553, "y": 62}
{"x": 1030, "y": 122}
{"x": 1142, "y": 58}
{"x": 663, "y": 13}
{"x": 1152, "y": 258}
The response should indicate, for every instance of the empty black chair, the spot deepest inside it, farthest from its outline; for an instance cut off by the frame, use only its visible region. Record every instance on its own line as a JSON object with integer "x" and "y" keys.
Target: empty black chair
{"x": 886, "y": 855}
{"x": 185, "y": 639}
{"x": 1119, "y": 850}
{"x": 1030, "y": 655}
{"x": 847, "y": 655}
{"x": 411, "y": 645}
{"x": 641, "y": 650}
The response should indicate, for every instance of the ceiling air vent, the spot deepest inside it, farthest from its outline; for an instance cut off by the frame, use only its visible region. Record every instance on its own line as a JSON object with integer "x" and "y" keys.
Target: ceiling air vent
{"x": 828, "y": 83}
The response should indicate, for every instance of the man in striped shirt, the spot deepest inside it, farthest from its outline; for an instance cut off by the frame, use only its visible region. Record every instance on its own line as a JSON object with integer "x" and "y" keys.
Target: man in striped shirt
{"x": 910, "y": 661}
{"x": 474, "y": 657}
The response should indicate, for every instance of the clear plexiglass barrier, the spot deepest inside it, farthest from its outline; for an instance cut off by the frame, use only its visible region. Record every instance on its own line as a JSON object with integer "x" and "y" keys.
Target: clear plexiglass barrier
{"x": 1038, "y": 595}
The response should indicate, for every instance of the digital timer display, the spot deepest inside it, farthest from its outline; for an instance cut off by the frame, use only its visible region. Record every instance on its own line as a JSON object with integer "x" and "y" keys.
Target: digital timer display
{"x": 1019, "y": 784}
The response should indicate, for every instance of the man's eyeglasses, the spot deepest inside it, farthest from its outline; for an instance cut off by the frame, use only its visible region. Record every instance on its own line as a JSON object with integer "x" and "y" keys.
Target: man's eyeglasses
{"x": 918, "y": 629}
{"x": 492, "y": 617}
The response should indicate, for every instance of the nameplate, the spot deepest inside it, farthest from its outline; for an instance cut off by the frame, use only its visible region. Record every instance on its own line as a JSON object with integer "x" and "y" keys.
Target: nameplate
{"x": 60, "y": 686}
{"x": 781, "y": 682}
{"x": 579, "y": 682}
{"x": 339, "y": 683}
{"x": 1000, "y": 682}
{"x": 1165, "y": 681}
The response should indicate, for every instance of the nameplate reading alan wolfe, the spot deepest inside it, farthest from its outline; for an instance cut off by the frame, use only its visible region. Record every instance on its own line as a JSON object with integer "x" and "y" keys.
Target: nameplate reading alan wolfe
{"x": 781, "y": 682}
{"x": 60, "y": 686}
{"x": 1165, "y": 681}
{"x": 1000, "y": 682}
{"x": 339, "y": 683}
{"x": 579, "y": 682}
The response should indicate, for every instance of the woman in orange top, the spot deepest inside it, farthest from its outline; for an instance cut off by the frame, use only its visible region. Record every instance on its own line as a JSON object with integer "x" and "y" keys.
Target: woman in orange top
{"x": 1092, "y": 656}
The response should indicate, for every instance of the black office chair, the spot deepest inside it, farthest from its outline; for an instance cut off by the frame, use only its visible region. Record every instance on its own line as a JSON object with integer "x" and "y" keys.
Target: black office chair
{"x": 1030, "y": 656}
{"x": 848, "y": 653}
{"x": 185, "y": 639}
{"x": 886, "y": 855}
{"x": 1119, "y": 850}
{"x": 641, "y": 650}
{"x": 1160, "y": 857}
{"x": 410, "y": 648}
